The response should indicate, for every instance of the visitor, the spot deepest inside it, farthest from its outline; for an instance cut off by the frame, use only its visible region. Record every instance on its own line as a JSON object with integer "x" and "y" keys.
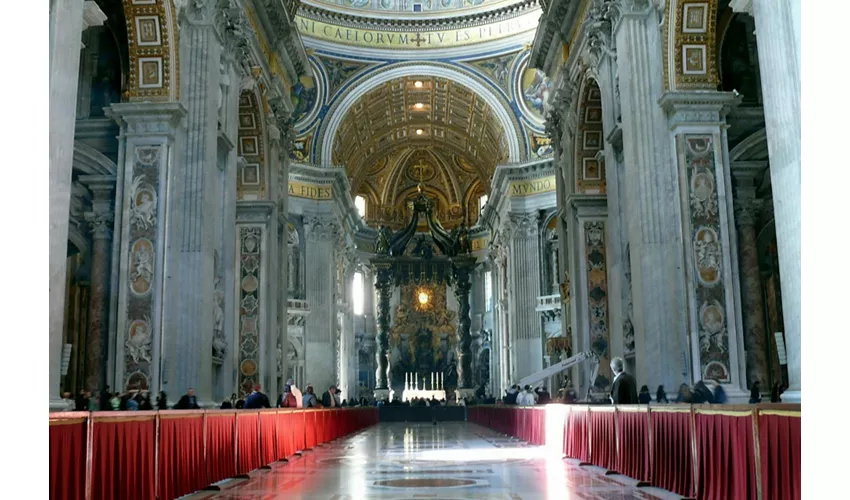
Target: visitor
{"x": 330, "y": 398}
{"x": 105, "y": 397}
{"x": 70, "y": 404}
{"x": 257, "y": 399}
{"x": 644, "y": 397}
{"x": 661, "y": 395}
{"x": 81, "y": 403}
{"x": 684, "y": 395}
{"x": 526, "y": 397}
{"x": 115, "y": 401}
{"x": 162, "y": 401}
{"x": 131, "y": 404}
{"x": 511, "y": 395}
{"x": 702, "y": 394}
{"x": 775, "y": 393}
{"x": 144, "y": 400}
{"x": 309, "y": 399}
{"x": 624, "y": 389}
{"x": 287, "y": 399}
{"x": 229, "y": 404}
{"x": 188, "y": 401}
{"x": 720, "y": 397}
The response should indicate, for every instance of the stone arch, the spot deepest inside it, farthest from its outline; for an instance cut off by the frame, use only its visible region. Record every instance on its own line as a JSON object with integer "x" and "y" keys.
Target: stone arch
{"x": 589, "y": 176}
{"x": 252, "y": 182}
{"x": 501, "y": 108}
{"x": 754, "y": 147}
{"x": 690, "y": 56}
{"x": 152, "y": 41}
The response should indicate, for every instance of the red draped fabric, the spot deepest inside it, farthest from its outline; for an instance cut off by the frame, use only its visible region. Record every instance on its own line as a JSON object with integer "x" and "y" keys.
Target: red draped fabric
{"x": 68, "y": 458}
{"x": 603, "y": 440}
{"x": 268, "y": 437}
{"x": 726, "y": 466}
{"x": 541, "y": 426}
{"x": 577, "y": 430}
{"x": 310, "y": 429}
{"x": 779, "y": 450}
{"x": 284, "y": 435}
{"x": 323, "y": 427}
{"x": 181, "y": 453}
{"x": 633, "y": 436}
{"x": 123, "y": 455}
{"x": 671, "y": 460}
{"x": 221, "y": 451}
{"x": 522, "y": 426}
{"x": 248, "y": 440}
{"x": 299, "y": 429}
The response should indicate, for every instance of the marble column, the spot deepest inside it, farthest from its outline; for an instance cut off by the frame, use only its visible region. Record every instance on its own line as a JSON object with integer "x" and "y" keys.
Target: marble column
{"x": 148, "y": 182}
{"x": 66, "y": 22}
{"x": 321, "y": 278}
{"x": 194, "y": 247}
{"x": 779, "y": 50}
{"x": 660, "y": 313}
{"x": 462, "y": 268}
{"x": 747, "y": 208}
{"x": 99, "y": 220}
{"x": 523, "y": 288}
{"x": 383, "y": 284}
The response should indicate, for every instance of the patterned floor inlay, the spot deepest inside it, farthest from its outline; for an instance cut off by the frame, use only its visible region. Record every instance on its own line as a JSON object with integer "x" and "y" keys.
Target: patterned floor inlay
{"x": 410, "y": 461}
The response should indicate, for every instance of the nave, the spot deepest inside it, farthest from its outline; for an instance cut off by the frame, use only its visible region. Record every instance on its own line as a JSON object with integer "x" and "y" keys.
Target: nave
{"x": 451, "y": 460}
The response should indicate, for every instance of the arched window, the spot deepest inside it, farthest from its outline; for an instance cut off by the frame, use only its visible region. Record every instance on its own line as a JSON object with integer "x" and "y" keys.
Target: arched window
{"x": 360, "y": 203}
{"x": 357, "y": 293}
{"x": 482, "y": 201}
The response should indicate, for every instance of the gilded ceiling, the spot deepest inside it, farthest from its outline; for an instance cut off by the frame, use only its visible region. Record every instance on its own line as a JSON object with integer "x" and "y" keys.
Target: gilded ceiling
{"x": 420, "y": 128}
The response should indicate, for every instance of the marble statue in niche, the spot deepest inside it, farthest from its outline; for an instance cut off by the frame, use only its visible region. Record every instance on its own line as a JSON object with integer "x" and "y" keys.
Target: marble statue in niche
{"x": 219, "y": 340}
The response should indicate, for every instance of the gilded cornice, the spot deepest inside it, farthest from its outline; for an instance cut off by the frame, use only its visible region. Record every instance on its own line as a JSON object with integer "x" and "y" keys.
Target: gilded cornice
{"x": 405, "y": 25}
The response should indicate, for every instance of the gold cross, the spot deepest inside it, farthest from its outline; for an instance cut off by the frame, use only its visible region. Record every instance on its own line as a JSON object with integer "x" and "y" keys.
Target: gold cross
{"x": 419, "y": 169}
{"x": 419, "y": 39}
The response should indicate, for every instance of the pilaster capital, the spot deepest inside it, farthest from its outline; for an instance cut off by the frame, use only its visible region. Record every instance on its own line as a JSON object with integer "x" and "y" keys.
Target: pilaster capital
{"x": 100, "y": 224}
{"x": 282, "y": 120}
{"x": 147, "y": 119}
{"x": 320, "y": 228}
{"x": 688, "y": 108}
{"x": 521, "y": 225}
{"x": 600, "y": 18}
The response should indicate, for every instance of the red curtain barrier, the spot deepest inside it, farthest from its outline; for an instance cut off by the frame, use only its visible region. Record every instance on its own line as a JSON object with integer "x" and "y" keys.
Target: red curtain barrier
{"x": 727, "y": 464}
{"x": 576, "y": 434}
{"x": 221, "y": 449}
{"x": 779, "y": 452}
{"x": 68, "y": 456}
{"x": 247, "y": 439}
{"x": 671, "y": 459}
{"x": 268, "y": 436}
{"x": 603, "y": 438}
{"x": 633, "y": 442}
{"x": 123, "y": 455}
{"x": 117, "y": 452}
{"x": 703, "y": 451}
{"x": 181, "y": 454}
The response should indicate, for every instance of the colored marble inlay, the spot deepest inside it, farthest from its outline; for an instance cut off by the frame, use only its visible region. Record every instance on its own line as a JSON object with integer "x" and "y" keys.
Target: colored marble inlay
{"x": 597, "y": 296}
{"x": 249, "y": 307}
{"x": 143, "y": 198}
{"x": 698, "y": 154}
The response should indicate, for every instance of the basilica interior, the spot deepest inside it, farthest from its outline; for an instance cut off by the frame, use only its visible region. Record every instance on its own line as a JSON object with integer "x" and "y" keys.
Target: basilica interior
{"x": 454, "y": 195}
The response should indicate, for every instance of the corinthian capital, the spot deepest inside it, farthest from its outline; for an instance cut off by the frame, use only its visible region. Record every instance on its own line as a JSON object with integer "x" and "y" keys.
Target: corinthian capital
{"x": 521, "y": 225}
{"x": 282, "y": 119}
{"x": 321, "y": 228}
{"x": 234, "y": 28}
{"x": 747, "y": 208}
{"x": 100, "y": 224}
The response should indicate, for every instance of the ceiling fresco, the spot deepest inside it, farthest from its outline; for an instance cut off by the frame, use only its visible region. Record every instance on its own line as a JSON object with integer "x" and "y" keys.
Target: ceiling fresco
{"x": 397, "y": 134}
{"x": 420, "y": 7}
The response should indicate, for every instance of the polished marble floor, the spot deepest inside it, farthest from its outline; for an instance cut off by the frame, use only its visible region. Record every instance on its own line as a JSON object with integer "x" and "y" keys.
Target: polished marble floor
{"x": 453, "y": 460}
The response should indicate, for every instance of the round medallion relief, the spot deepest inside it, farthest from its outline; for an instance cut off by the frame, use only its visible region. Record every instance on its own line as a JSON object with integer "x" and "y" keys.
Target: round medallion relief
{"x": 249, "y": 283}
{"x": 248, "y": 367}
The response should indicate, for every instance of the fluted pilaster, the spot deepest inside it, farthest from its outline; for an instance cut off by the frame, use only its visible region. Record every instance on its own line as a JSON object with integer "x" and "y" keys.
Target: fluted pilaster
{"x": 521, "y": 233}
{"x": 321, "y": 232}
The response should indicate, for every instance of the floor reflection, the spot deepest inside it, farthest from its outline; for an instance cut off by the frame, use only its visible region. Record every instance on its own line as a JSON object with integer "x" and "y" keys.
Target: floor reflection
{"x": 417, "y": 461}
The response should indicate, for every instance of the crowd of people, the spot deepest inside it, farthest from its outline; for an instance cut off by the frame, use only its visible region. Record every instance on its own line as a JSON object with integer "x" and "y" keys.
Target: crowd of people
{"x": 623, "y": 391}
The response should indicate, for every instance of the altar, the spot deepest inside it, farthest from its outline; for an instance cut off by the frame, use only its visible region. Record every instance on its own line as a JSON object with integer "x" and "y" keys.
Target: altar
{"x": 412, "y": 390}
{"x": 411, "y": 394}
